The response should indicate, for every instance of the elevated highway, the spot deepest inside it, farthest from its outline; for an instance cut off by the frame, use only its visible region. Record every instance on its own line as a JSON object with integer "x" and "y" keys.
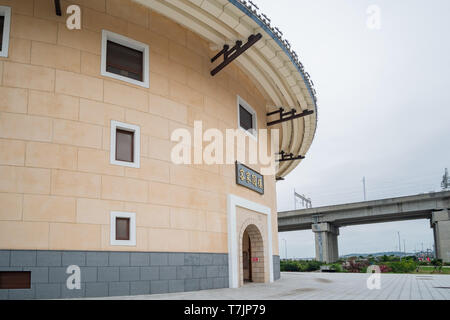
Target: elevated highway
{"x": 326, "y": 221}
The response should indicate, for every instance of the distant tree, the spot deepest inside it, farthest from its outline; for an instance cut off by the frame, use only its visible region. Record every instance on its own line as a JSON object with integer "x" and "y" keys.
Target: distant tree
{"x": 437, "y": 263}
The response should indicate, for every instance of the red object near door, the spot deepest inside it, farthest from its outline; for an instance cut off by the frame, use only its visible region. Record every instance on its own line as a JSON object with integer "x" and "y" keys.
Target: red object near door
{"x": 255, "y": 259}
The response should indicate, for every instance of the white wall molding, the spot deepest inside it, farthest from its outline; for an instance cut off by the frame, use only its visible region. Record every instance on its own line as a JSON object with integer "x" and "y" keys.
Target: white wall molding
{"x": 233, "y": 251}
{"x": 5, "y": 12}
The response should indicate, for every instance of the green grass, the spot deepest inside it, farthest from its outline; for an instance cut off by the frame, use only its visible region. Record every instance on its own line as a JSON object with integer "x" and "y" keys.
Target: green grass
{"x": 431, "y": 270}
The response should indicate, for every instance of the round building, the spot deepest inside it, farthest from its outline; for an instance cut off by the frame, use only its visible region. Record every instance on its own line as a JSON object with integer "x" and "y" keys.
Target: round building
{"x": 140, "y": 145}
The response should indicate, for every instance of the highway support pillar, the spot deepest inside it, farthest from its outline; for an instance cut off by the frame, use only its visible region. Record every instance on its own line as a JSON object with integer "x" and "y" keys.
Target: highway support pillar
{"x": 326, "y": 242}
{"x": 440, "y": 222}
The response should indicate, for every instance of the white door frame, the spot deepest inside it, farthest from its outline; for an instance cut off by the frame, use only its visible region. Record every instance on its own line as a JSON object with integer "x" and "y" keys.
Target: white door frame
{"x": 233, "y": 252}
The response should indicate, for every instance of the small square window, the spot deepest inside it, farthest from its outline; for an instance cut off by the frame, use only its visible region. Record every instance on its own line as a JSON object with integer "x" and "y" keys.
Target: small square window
{"x": 125, "y": 144}
{"x": 5, "y": 21}
{"x": 247, "y": 117}
{"x": 123, "y": 229}
{"x": 125, "y": 59}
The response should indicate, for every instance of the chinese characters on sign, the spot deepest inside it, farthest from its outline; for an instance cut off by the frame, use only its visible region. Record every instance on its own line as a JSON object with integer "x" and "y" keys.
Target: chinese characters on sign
{"x": 249, "y": 178}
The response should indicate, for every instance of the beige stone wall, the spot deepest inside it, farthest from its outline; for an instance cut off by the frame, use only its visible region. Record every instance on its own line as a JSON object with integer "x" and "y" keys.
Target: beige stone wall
{"x": 57, "y": 186}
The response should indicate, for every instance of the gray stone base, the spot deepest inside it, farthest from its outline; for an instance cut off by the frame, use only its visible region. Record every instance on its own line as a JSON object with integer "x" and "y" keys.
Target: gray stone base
{"x": 114, "y": 273}
{"x": 276, "y": 268}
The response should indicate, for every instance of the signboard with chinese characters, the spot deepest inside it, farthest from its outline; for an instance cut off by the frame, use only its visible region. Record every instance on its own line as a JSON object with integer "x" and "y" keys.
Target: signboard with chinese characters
{"x": 249, "y": 178}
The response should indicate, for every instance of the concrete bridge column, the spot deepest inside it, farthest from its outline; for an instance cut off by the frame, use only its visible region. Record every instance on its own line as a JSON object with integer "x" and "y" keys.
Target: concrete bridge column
{"x": 326, "y": 242}
{"x": 440, "y": 222}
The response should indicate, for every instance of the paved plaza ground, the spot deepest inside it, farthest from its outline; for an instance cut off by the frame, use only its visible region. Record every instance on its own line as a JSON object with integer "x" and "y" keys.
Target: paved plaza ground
{"x": 326, "y": 286}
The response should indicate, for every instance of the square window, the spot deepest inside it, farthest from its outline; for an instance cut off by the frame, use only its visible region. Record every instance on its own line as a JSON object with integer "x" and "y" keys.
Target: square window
{"x": 5, "y": 20}
{"x": 125, "y": 59}
{"x": 247, "y": 119}
{"x": 123, "y": 229}
{"x": 125, "y": 144}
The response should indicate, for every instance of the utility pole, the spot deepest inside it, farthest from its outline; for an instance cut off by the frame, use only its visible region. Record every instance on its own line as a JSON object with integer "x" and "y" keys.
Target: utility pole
{"x": 364, "y": 188}
{"x": 399, "y": 245}
{"x": 295, "y": 200}
{"x": 404, "y": 247}
{"x": 306, "y": 202}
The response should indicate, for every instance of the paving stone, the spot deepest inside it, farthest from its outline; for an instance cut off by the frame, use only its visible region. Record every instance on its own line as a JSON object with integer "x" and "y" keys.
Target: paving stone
{"x": 48, "y": 259}
{"x": 108, "y": 274}
{"x": 149, "y": 273}
{"x": 23, "y": 258}
{"x": 38, "y": 274}
{"x": 12, "y": 268}
{"x": 198, "y": 272}
{"x": 176, "y": 259}
{"x": 184, "y": 272}
{"x": 57, "y": 275}
{"x": 4, "y": 294}
{"x": 140, "y": 259}
{"x": 97, "y": 289}
{"x": 159, "y": 259}
{"x": 5, "y": 258}
{"x": 121, "y": 259}
{"x": 219, "y": 283}
{"x": 89, "y": 274}
{"x": 191, "y": 259}
{"x": 206, "y": 284}
{"x": 159, "y": 286}
{"x": 72, "y": 294}
{"x": 140, "y": 287}
{"x": 167, "y": 273}
{"x": 176, "y": 285}
{"x": 22, "y": 294}
{"x": 73, "y": 258}
{"x": 129, "y": 273}
{"x": 212, "y": 271}
{"x": 119, "y": 289}
{"x": 97, "y": 259}
{"x": 218, "y": 259}
{"x": 48, "y": 291}
{"x": 192, "y": 284}
{"x": 206, "y": 259}
{"x": 223, "y": 271}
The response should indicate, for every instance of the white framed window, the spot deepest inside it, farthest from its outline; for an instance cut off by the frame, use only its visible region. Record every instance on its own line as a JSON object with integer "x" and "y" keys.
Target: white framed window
{"x": 247, "y": 118}
{"x": 123, "y": 228}
{"x": 5, "y": 23}
{"x": 125, "y": 59}
{"x": 125, "y": 144}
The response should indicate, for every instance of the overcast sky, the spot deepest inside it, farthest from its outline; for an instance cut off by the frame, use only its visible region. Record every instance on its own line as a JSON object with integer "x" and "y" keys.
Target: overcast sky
{"x": 384, "y": 111}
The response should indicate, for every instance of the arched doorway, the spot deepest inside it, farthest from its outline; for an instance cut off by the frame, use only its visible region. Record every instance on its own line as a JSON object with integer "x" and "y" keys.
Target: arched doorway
{"x": 252, "y": 256}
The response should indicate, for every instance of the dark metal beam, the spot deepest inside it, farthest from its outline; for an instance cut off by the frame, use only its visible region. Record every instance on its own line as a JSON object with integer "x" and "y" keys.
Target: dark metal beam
{"x": 289, "y": 157}
{"x": 58, "y": 8}
{"x": 287, "y": 116}
{"x": 229, "y": 55}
